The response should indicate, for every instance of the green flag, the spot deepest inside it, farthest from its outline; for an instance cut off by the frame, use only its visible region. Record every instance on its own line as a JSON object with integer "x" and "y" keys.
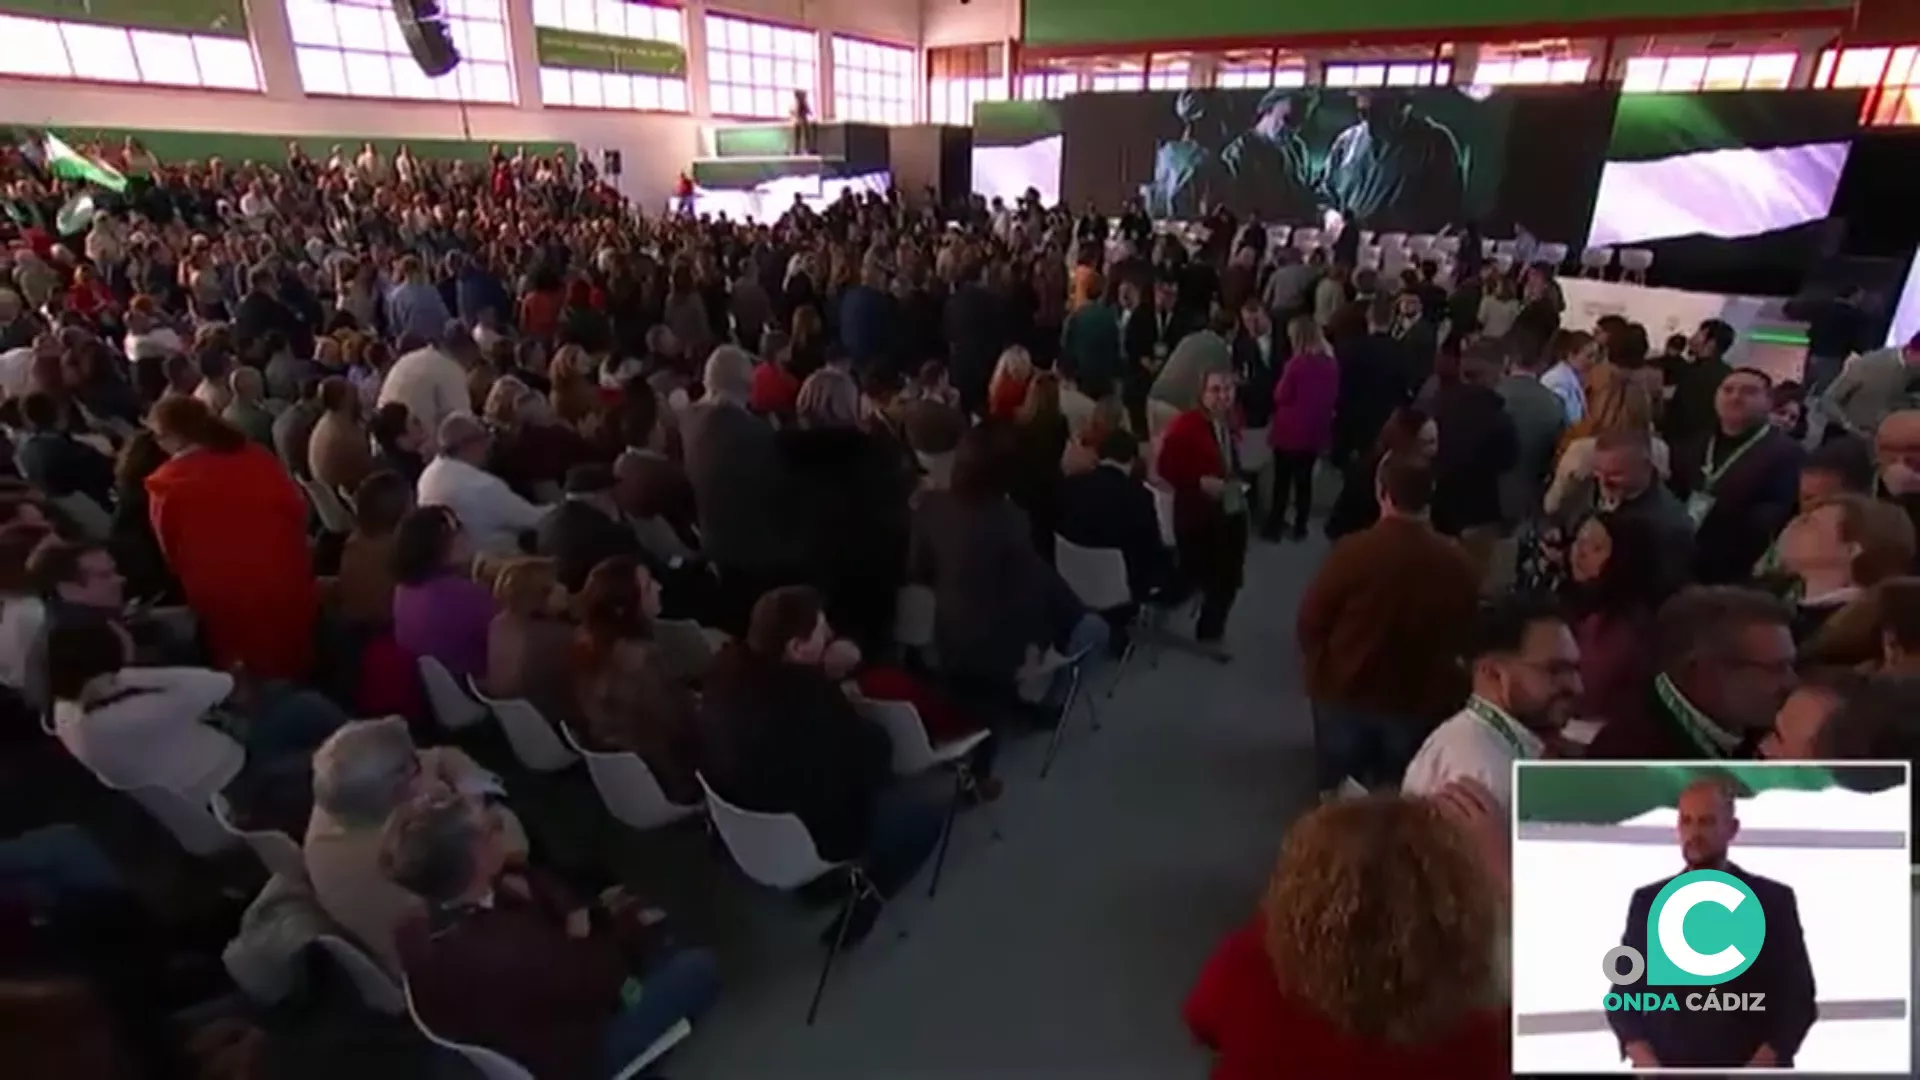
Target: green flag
{"x": 67, "y": 163}
{"x": 1609, "y": 795}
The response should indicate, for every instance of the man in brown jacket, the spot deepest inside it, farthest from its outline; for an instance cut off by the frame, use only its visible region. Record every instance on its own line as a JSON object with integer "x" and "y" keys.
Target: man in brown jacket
{"x": 1381, "y": 626}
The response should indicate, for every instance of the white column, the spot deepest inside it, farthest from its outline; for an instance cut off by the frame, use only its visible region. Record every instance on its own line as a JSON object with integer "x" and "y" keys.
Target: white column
{"x": 823, "y": 79}
{"x": 523, "y": 51}
{"x": 273, "y": 46}
{"x": 699, "y": 100}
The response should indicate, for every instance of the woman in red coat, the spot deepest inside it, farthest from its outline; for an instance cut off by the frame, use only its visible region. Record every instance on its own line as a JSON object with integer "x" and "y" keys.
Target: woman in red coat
{"x": 1200, "y": 460}
{"x": 233, "y": 527}
{"x": 1374, "y": 954}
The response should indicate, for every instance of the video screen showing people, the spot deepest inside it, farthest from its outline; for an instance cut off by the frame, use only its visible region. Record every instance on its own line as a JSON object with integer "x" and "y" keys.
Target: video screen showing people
{"x": 1390, "y": 159}
{"x": 1711, "y": 916}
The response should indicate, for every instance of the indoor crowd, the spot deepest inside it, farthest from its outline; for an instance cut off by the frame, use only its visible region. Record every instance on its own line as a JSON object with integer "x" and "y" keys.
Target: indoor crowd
{"x": 297, "y": 443}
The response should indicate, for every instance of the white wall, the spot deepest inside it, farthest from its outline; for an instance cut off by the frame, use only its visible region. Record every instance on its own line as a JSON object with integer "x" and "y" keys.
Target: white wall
{"x": 978, "y": 22}
{"x": 654, "y": 146}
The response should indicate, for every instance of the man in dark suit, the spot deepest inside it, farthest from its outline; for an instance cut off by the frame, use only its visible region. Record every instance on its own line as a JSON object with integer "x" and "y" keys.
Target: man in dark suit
{"x": 587, "y": 528}
{"x": 1108, "y": 508}
{"x": 976, "y": 325}
{"x": 1779, "y": 968}
{"x": 1740, "y": 482}
{"x": 1147, "y": 339}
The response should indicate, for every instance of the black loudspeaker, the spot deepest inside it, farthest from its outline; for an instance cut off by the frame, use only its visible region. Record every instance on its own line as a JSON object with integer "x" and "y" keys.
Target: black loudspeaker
{"x": 425, "y": 30}
{"x": 610, "y": 162}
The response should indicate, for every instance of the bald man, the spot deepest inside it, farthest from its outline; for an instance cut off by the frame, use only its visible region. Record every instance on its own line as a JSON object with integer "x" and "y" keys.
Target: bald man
{"x": 1780, "y": 970}
{"x": 497, "y": 521}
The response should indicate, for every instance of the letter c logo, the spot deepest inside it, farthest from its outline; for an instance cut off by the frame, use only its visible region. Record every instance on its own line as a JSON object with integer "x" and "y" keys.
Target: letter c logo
{"x": 1673, "y": 928}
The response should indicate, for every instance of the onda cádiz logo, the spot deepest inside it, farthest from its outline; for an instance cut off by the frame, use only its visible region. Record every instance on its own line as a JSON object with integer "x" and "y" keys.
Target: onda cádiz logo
{"x": 1704, "y": 907}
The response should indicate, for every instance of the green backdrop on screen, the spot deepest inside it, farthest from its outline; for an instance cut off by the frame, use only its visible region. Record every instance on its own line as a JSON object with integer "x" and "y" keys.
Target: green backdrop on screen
{"x": 1088, "y": 22}
{"x": 225, "y": 18}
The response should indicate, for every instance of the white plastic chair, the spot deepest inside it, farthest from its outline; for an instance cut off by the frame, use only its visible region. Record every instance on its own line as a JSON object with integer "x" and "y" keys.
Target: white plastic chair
{"x": 1098, "y": 576}
{"x": 1393, "y": 241}
{"x": 191, "y": 824}
{"x": 1420, "y": 246}
{"x": 1307, "y": 239}
{"x": 275, "y": 849}
{"x": 376, "y": 987}
{"x": 88, "y": 516}
{"x": 327, "y": 504}
{"x": 451, "y": 706}
{"x": 531, "y": 736}
{"x": 1634, "y": 264}
{"x": 914, "y": 753}
{"x": 493, "y": 1065}
{"x": 628, "y": 788}
{"x": 1554, "y": 255}
{"x": 1163, "y": 510}
{"x": 777, "y": 851}
{"x": 1595, "y": 260}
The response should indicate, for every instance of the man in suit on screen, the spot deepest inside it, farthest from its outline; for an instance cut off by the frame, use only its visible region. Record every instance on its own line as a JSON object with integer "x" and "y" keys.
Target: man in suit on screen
{"x": 1767, "y": 1037}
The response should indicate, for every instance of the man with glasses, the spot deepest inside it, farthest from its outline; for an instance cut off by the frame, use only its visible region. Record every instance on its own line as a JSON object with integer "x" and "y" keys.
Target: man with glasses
{"x": 1725, "y": 663}
{"x": 1526, "y": 685}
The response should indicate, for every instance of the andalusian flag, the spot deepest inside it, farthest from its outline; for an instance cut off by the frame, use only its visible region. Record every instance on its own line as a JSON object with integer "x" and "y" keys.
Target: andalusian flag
{"x": 1721, "y": 164}
{"x": 67, "y": 163}
{"x": 1648, "y": 794}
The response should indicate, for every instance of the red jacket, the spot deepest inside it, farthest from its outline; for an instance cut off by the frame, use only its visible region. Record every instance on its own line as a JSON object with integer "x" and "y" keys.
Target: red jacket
{"x": 1257, "y": 1033}
{"x": 1189, "y": 453}
{"x": 233, "y": 527}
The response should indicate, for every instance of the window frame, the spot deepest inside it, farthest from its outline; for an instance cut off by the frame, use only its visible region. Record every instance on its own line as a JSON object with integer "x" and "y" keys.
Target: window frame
{"x": 898, "y": 73}
{"x": 633, "y": 81}
{"x": 749, "y": 59}
{"x": 128, "y": 59}
{"x": 477, "y": 73}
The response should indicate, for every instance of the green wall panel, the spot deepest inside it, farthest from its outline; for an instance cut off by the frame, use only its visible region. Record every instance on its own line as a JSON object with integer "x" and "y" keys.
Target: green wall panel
{"x": 1087, "y": 22}
{"x": 227, "y": 18}
{"x": 200, "y": 145}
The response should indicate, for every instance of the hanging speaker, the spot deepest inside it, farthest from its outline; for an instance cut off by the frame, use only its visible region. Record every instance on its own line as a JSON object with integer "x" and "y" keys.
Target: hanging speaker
{"x": 425, "y": 30}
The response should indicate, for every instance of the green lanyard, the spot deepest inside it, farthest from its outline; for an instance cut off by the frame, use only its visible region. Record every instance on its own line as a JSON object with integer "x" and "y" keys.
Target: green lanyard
{"x": 1710, "y": 476}
{"x": 1700, "y": 730}
{"x": 1496, "y": 718}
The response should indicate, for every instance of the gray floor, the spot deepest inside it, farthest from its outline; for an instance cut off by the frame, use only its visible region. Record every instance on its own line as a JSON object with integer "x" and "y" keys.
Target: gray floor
{"x": 1065, "y": 949}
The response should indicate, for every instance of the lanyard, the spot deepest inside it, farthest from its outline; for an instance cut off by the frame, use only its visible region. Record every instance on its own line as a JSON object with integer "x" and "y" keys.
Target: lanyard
{"x": 1496, "y": 718}
{"x": 1700, "y": 730}
{"x": 1710, "y": 476}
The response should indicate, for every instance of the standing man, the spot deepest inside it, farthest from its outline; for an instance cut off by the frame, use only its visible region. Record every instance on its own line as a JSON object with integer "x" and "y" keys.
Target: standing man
{"x": 803, "y": 130}
{"x": 1526, "y": 684}
{"x": 1691, "y": 383}
{"x": 1200, "y": 460}
{"x": 1149, "y": 339}
{"x": 1740, "y": 482}
{"x": 1871, "y": 388}
{"x": 1774, "y": 950}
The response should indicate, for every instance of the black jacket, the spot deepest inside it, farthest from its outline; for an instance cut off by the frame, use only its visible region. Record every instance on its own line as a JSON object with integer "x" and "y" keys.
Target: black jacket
{"x": 1477, "y": 445}
{"x": 781, "y": 738}
{"x": 1728, "y": 1039}
{"x": 1142, "y": 340}
{"x": 975, "y": 322}
{"x": 1258, "y": 376}
{"x": 1752, "y": 502}
{"x": 1107, "y": 508}
{"x": 579, "y": 537}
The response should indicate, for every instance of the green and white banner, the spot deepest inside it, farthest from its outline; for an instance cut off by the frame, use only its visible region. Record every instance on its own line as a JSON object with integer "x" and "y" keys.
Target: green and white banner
{"x": 222, "y": 18}
{"x": 582, "y": 51}
{"x": 1648, "y": 794}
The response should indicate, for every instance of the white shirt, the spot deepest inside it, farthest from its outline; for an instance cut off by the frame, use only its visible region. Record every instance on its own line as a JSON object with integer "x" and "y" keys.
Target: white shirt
{"x": 158, "y": 343}
{"x": 16, "y": 372}
{"x": 432, "y": 385}
{"x": 1466, "y": 747}
{"x": 154, "y": 737}
{"x": 256, "y": 207}
{"x": 488, "y": 509}
{"x": 1565, "y": 384}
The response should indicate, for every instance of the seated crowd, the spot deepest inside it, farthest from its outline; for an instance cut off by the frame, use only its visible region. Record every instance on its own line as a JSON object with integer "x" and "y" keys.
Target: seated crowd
{"x": 682, "y": 485}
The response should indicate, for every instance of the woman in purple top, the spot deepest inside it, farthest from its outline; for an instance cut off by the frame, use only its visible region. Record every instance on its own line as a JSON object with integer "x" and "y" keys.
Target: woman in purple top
{"x": 438, "y": 609}
{"x": 1302, "y": 428}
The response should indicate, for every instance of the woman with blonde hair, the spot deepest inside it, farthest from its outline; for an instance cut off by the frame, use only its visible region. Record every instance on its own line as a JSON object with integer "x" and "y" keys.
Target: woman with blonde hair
{"x": 529, "y": 643}
{"x": 1375, "y": 952}
{"x": 1007, "y": 390}
{"x": 1302, "y": 427}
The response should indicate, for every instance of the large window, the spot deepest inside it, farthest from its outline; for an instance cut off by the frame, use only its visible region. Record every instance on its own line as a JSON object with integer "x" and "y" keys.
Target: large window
{"x": 1170, "y": 73}
{"x": 960, "y": 76}
{"x": 1891, "y": 75}
{"x": 1048, "y": 85}
{"x": 1119, "y": 78}
{"x": 1765, "y": 71}
{"x": 353, "y": 48}
{"x": 1532, "y": 70}
{"x": 61, "y": 50}
{"x": 872, "y": 83}
{"x": 1389, "y": 73}
{"x": 753, "y": 68}
{"x": 1260, "y": 76}
{"x": 612, "y": 89}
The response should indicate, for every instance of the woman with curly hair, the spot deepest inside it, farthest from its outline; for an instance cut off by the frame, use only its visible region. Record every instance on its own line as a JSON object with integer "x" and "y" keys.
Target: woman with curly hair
{"x": 1375, "y": 952}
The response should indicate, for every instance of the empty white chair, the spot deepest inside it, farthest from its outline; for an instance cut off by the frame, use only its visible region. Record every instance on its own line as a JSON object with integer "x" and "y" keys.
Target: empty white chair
{"x": 1448, "y": 246}
{"x": 1393, "y": 241}
{"x": 275, "y": 849}
{"x": 1506, "y": 247}
{"x": 914, "y": 753}
{"x": 777, "y": 851}
{"x": 327, "y": 504}
{"x": 451, "y": 706}
{"x": 1554, "y": 255}
{"x": 190, "y": 823}
{"x": 628, "y": 788}
{"x": 493, "y": 1065}
{"x": 1634, "y": 264}
{"x": 1371, "y": 258}
{"x": 376, "y": 987}
{"x": 1098, "y": 576}
{"x": 1307, "y": 239}
{"x": 1488, "y": 246}
{"x": 531, "y": 736}
{"x": 913, "y": 617}
{"x": 88, "y": 516}
{"x": 1279, "y": 236}
{"x": 1420, "y": 245}
{"x": 1595, "y": 260}
{"x": 1367, "y": 238}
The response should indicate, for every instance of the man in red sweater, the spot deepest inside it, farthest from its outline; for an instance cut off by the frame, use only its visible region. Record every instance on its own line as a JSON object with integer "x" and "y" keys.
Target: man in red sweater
{"x": 506, "y": 960}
